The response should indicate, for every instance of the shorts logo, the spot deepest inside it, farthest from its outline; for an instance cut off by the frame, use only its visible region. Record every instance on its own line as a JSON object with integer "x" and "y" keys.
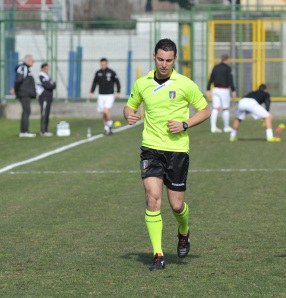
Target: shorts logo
{"x": 144, "y": 165}
{"x": 172, "y": 94}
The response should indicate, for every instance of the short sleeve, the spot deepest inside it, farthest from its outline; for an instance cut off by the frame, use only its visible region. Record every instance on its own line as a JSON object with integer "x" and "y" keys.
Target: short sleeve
{"x": 135, "y": 98}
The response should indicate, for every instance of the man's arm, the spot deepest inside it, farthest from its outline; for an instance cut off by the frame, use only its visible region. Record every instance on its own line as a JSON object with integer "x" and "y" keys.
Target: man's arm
{"x": 117, "y": 82}
{"x": 19, "y": 78}
{"x": 94, "y": 83}
{"x": 50, "y": 85}
{"x": 267, "y": 102}
{"x": 199, "y": 117}
{"x": 130, "y": 115}
{"x": 208, "y": 93}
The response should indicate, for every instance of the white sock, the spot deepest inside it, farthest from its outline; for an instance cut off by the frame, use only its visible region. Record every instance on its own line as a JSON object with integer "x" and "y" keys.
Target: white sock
{"x": 233, "y": 133}
{"x": 110, "y": 123}
{"x": 225, "y": 118}
{"x": 106, "y": 128}
{"x": 269, "y": 133}
{"x": 214, "y": 119}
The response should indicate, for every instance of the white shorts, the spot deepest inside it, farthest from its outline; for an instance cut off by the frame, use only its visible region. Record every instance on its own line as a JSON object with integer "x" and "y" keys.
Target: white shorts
{"x": 105, "y": 101}
{"x": 251, "y": 106}
{"x": 221, "y": 98}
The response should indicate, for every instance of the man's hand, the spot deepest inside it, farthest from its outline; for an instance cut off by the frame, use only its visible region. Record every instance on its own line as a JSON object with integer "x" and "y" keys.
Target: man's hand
{"x": 12, "y": 91}
{"x": 90, "y": 95}
{"x": 208, "y": 93}
{"x": 175, "y": 126}
{"x": 233, "y": 95}
{"x": 130, "y": 115}
{"x": 116, "y": 95}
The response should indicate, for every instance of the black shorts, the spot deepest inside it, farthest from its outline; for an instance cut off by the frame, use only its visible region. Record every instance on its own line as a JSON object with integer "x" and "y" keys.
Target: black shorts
{"x": 173, "y": 166}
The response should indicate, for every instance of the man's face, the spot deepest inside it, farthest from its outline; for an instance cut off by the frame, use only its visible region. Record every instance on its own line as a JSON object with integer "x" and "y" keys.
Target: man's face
{"x": 29, "y": 61}
{"x": 164, "y": 62}
{"x": 103, "y": 65}
{"x": 46, "y": 69}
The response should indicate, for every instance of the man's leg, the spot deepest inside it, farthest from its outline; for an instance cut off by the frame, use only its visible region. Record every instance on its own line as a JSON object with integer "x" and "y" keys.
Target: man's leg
{"x": 26, "y": 110}
{"x": 108, "y": 118}
{"x": 154, "y": 192}
{"x": 213, "y": 120}
{"x": 216, "y": 104}
{"x": 180, "y": 209}
{"x": 269, "y": 132}
{"x": 108, "y": 123}
{"x": 181, "y": 213}
{"x": 47, "y": 115}
{"x": 43, "y": 104}
{"x": 225, "y": 103}
{"x": 225, "y": 119}
{"x": 234, "y": 130}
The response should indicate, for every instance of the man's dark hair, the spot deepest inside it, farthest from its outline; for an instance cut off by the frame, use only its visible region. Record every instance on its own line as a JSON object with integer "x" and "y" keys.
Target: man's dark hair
{"x": 262, "y": 87}
{"x": 103, "y": 60}
{"x": 224, "y": 57}
{"x": 166, "y": 45}
{"x": 44, "y": 65}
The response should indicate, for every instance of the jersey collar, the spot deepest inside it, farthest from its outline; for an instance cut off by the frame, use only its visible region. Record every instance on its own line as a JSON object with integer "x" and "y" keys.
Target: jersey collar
{"x": 173, "y": 76}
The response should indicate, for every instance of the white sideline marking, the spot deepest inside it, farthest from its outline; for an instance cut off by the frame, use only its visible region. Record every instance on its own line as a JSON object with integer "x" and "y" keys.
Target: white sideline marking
{"x": 61, "y": 149}
{"x": 136, "y": 171}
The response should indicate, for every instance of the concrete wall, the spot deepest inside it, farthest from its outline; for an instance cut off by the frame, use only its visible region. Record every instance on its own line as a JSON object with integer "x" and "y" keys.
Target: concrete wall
{"x": 89, "y": 110}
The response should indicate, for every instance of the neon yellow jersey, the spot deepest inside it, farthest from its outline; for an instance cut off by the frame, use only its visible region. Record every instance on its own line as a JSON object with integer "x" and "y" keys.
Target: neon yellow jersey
{"x": 169, "y": 101}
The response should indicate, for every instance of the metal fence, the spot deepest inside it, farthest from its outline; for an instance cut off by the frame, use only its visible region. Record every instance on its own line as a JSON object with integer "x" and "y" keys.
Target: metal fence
{"x": 255, "y": 41}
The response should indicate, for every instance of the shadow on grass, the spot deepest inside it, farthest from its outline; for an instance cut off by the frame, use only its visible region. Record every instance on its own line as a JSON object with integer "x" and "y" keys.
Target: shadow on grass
{"x": 281, "y": 256}
{"x": 251, "y": 139}
{"x": 146, "y": 258}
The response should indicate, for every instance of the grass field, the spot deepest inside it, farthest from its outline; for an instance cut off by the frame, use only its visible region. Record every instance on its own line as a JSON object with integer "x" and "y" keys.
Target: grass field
{"x": 72, "y": 224}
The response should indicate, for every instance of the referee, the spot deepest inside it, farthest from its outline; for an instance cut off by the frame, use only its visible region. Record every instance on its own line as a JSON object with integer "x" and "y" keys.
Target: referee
{"x": 165, "y": 145}
{"x": 222, "y": 79}
{"x": 105, "y": 78}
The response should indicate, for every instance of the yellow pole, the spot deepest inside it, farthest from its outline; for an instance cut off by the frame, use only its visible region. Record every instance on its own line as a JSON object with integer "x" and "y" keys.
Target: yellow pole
{"x": 263, "y": 53}
{"x": 141, "y": 106}
{"x": 258, "y": 53}
{"x": 186, "y": 50}
{"x": 254, "y": 55}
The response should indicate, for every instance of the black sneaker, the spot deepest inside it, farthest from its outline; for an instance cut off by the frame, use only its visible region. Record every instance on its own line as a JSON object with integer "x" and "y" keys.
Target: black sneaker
{"x": 184, "y": 245}
{"x": 158, "y": 263}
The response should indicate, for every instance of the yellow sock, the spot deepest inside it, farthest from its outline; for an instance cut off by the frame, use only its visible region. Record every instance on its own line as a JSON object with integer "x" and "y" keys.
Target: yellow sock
{"x": 154, "y": 225}
{"x": 183, "y": 220}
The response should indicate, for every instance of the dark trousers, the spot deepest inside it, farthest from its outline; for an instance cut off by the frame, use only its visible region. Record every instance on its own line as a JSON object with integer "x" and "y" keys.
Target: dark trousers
{"x": 45, "y": 113}
{"x": 26, "y": 111}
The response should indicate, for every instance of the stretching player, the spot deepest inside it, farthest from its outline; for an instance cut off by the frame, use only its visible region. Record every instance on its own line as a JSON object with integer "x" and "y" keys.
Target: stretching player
{"x": 222, "y": 78}
{"x": 165, "y": 146}
{"x": 251, "y": 103}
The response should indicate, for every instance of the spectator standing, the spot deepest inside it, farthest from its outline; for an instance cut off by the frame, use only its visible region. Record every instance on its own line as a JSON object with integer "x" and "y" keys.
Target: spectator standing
{"x": 222, "y": 78}
{"x": 45, "y": 90}
{"x": 25, "y": 90}
{"x": 105, "y": 78}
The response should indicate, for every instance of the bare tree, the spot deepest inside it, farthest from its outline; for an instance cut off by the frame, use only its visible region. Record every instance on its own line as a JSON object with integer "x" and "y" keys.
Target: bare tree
{"x": 98, "y": 9}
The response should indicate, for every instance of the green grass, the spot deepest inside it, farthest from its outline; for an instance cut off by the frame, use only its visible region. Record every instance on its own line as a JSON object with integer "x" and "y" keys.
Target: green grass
{"x": 69, "y": 232}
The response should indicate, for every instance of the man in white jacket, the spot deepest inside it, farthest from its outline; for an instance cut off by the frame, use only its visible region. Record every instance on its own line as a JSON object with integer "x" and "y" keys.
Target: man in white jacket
{"x": 45, "y": 89}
